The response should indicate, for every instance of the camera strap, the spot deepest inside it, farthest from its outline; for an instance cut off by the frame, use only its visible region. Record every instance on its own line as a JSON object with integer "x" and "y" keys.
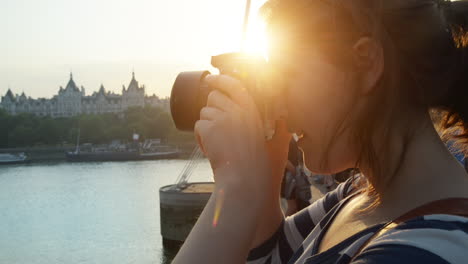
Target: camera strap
{"x": 450, "y": 206}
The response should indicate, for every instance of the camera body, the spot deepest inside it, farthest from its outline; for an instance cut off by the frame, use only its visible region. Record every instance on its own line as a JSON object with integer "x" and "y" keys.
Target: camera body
{"x": 190, "y": 91}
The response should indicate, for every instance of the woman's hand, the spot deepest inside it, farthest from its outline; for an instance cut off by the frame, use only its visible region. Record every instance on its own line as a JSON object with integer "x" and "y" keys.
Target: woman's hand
{"x": 230, "y": 133}
{"x": 244, "y": 209}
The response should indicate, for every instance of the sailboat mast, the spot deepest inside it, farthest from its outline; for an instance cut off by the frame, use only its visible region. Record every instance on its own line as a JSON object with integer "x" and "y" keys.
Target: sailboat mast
{"x": 77, "y": 150}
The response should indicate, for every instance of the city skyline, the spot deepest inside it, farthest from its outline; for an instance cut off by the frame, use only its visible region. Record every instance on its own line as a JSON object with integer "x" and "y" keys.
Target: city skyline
{"x": 102, "y": 41}
{"x": 71, "y": 76}
{"x": 72, "y": 100}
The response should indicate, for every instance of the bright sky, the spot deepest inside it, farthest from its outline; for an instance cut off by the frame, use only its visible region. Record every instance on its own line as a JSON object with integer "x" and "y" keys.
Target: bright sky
{"x": 102, "y": 41}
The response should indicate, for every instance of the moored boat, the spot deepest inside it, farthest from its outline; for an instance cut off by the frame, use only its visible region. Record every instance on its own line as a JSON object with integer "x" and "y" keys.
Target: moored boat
{"x": 8, "y": 158}
{"x": 149, "y": 150}
{"x": 119, "y": 155}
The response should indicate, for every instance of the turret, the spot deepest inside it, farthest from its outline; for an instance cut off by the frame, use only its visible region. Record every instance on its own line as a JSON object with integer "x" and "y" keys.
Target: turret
{"x": 133, "y": 83}
{"x": 102, "y": 90}
{"x": 71, "y": 84}
{"x": 23, "y": 97}
{"x": 10, "y": 95}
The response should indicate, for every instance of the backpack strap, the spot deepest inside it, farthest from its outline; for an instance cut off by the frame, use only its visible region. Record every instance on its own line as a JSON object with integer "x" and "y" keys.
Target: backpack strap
{"x": 450, "y": 206}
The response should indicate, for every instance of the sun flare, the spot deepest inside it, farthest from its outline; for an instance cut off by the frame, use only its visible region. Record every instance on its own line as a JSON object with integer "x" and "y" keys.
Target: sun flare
{"x": 256, "y": 40}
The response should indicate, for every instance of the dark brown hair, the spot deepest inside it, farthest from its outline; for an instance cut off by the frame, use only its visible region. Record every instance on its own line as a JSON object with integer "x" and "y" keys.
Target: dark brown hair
{"x": 425, "y": 47}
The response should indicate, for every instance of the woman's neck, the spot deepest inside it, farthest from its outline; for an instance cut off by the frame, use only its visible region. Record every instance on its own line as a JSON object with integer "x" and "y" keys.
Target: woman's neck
{"x": 427, "y": 172}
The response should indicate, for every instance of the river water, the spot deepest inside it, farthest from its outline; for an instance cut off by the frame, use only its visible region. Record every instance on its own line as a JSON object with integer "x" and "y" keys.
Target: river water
{"x": 105, "y": 212}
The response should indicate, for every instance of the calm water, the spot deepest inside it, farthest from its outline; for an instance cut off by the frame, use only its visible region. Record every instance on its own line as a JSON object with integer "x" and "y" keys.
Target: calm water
{"x": 85, "y": 212}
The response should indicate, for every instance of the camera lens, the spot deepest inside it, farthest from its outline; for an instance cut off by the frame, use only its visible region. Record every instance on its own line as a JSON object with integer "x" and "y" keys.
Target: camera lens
{"x": 188, "y": 97}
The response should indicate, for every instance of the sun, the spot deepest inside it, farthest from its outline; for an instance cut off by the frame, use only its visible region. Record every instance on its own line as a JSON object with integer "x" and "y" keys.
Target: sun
{"x": 256, "y": 39}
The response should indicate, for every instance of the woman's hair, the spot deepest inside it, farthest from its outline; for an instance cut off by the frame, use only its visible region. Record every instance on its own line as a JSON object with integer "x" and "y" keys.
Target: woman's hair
{"x": 425, "y": 48}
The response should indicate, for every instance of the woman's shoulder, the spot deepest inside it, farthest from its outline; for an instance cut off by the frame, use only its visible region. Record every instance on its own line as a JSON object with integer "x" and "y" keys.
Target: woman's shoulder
{"x": 347, "y": 188}
{"x": 321, "y": 210}
{"x": 438, "y": 238}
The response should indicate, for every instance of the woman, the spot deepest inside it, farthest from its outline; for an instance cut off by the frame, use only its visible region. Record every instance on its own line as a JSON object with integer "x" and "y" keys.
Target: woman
{"x": 360, "y": 78}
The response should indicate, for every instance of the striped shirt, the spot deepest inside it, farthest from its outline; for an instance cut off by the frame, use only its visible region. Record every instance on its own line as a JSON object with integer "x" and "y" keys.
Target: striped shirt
{"x": 425, "y": 239}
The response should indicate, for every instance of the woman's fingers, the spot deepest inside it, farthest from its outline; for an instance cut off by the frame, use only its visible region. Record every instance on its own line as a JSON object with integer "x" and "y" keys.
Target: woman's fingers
{"x": 229, "y": 86}
{"x": 201, "y": 130}
{"x": 221, "y": 101}
{"x": 210, "y": 113}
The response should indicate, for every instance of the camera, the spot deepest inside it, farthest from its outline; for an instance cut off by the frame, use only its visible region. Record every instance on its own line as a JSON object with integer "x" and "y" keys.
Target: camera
{"x": 190, "y": 92}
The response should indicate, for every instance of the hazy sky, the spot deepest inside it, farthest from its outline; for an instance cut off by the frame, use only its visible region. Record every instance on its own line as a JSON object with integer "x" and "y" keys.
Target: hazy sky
{"x": 102, "y": 41}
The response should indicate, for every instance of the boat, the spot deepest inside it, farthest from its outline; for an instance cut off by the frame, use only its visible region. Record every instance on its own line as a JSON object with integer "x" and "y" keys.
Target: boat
{"x": 151, "y": 150}
{"x": 120, "y": 156}
{"x": 8, "y": 158}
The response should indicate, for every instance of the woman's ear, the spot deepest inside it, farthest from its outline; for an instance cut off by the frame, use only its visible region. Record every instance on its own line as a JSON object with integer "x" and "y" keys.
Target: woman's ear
{"x": 369, "y": 60}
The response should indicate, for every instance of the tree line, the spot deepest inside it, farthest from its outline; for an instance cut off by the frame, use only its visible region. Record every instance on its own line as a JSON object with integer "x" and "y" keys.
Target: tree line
{"x": 27, "y": 130}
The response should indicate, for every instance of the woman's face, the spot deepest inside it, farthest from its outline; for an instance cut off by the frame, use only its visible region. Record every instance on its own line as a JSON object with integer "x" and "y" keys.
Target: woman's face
{"x": 319, "y": 99}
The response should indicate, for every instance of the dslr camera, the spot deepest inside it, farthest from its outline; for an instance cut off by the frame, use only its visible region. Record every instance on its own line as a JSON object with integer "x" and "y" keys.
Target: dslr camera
{"x": 190, "y": 92}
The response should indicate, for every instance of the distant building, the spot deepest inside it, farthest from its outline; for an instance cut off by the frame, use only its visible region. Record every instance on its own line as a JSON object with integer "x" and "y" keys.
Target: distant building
{"x": 72, "y": 101}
